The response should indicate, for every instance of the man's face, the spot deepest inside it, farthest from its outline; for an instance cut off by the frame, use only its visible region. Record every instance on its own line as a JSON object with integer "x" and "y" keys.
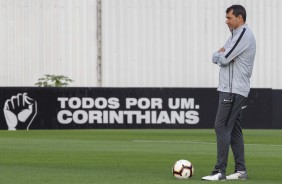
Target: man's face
{"x": 232, "y": 21}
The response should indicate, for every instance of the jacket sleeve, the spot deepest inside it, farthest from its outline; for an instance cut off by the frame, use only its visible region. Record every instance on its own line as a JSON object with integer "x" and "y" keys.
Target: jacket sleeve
{"x": 232, "y": 49}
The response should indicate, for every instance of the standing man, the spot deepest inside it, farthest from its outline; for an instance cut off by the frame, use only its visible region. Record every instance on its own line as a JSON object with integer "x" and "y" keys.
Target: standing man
{"x": 236, "y": 60}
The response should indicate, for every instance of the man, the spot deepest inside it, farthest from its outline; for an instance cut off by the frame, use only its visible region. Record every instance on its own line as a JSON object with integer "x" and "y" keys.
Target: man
{"x": 236, "y": 60}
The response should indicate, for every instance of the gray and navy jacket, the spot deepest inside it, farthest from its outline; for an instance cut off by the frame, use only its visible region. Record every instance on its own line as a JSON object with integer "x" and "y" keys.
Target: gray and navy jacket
{"x": 236, "y": 62}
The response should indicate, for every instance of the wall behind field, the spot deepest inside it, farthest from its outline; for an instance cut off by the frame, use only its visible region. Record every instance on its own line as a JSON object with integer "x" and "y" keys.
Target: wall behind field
{"x": 40, "y": 37}
{"x": 170, "y": 42}
{"x": 145, "y": 43}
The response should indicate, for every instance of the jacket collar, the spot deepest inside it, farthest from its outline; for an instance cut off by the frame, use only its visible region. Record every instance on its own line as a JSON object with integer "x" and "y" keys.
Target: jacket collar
{"x": 235, "y": 31}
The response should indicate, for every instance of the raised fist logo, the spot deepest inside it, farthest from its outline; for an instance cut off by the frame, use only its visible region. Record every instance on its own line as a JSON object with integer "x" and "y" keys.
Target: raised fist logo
{"x": 20, "y": 111}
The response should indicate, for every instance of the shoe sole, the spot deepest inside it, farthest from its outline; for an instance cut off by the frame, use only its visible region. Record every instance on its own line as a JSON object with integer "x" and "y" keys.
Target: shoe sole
{"x": 237, "y": 179}
{"x": 223, "y": 179}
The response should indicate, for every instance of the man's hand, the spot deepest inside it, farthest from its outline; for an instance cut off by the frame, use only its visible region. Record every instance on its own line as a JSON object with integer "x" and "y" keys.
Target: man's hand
{"x": 221, "y": 49}
{"x": 20, "y": 111}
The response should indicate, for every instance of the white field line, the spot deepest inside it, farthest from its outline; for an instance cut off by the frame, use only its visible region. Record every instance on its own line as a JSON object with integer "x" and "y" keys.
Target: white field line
{"x": 198, "y": 142}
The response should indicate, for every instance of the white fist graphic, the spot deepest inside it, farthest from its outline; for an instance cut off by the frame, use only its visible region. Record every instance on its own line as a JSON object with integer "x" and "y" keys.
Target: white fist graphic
{"x": 20, "y": 111}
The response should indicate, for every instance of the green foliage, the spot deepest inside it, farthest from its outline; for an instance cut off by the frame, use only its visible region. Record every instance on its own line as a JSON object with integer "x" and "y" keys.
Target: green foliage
{"x": 53, "y": 81}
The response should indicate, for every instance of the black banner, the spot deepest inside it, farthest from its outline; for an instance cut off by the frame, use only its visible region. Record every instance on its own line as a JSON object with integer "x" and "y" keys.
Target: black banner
{"x": 83, "y": 108}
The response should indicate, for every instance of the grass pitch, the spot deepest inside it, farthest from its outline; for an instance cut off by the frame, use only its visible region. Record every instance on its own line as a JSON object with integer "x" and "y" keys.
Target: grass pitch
{"x": 128, "y": 156}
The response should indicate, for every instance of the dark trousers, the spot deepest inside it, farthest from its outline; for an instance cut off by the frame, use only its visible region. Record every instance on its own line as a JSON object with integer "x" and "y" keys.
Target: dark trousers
{"x": 229, "y": 132}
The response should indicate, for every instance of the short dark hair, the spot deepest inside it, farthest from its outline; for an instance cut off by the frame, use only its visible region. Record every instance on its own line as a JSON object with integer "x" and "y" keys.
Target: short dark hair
{"x": 238, "y": 10}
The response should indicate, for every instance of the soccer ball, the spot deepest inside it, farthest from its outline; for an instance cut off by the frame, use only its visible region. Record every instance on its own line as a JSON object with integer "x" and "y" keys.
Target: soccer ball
{"x": 183, "y": 169}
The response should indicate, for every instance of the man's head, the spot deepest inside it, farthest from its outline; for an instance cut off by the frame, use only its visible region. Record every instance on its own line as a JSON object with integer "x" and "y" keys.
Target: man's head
{"x": 235, "y": 16}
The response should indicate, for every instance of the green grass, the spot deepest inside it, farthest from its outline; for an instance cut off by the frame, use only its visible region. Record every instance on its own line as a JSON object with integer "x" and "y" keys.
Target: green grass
{"x": 128, "y": 156}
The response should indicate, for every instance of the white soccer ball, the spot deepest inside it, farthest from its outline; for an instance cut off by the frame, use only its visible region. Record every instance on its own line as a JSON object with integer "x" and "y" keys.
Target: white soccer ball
{"x": 183, "y": 169}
